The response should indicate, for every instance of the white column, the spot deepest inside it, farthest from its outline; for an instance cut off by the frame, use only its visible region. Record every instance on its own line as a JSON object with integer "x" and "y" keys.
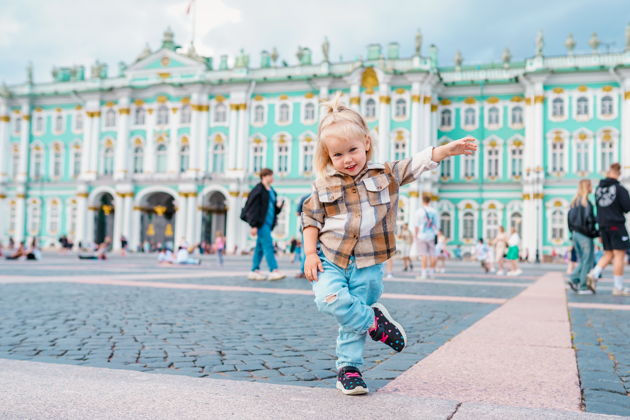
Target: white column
{"x": 181, "y": 217}
{"x": 426, "y": 138}
{"x": 86, "y": 145}
{"x": 25, "y": 134}
{"x": 126, "y": 210}
{"x": 355, "y": 97}
{"x": 134, "y": 234}
{"x": 172, "y": 160}
{"x": 201, "y": 158}
{"x": 81, "y": 215}
{"x": 416, "y": 97}
{"x": 384, "y": 124}
{"x": 20, "y": 219}
{"x": 119, "y": 216}
{"x": 191, "y": 217}
{"x": 149, "y": 151}
{"x": 4, "y": 143}
{"x": 4, "y": 221}
{"x": 232, "y": 148}
{"x": 625, "y": 131}
{"x": 94, "y": 141}
{"x": 89, "y": 225}
{"x": 196, "y": 110}
{"x": 122, "y": 141}
{"x": 233, "y": 219}
{"x": 243, "y": 134}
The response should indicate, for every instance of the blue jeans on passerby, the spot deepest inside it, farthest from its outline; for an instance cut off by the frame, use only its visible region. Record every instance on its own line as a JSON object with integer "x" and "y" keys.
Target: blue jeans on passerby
{"x": 220, "y": 256}
{"x": 302, "y": 256}
{"x": 264, "y": 246}
{"x": 347, "y": 295}
{"x": 585, "y": 251}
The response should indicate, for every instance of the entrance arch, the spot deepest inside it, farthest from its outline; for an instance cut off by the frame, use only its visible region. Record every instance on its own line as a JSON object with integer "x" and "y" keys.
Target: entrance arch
{"x": 214, "y": 215}
{"x": 104, "y": 214}
{"x": 157, "y": 219}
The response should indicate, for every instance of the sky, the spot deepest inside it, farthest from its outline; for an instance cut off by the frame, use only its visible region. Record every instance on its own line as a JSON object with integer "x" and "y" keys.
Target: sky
{"x": 68, "y": 32}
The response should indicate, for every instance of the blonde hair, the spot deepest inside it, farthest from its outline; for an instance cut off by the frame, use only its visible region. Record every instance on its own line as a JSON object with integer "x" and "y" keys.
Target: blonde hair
{"x": 581, "y": 198}
{"x": 340, "y": 121}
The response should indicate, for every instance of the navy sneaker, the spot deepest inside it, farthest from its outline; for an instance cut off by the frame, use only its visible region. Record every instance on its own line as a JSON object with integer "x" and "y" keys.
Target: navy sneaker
{"x": 350, "y": 381}
{"x": 387, "y": 329}
{"x": 572, "y": 285}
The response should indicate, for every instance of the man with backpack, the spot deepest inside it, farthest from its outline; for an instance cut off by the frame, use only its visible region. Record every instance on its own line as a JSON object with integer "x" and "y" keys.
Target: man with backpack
{"x": 426, "y": 234}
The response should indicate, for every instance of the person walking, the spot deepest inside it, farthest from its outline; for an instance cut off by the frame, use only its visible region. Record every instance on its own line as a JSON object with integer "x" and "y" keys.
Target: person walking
{"x": 500, "y": 248}
{"x": 612, "y": 202}
{"x": 581, "y": 221}
{"x": 482, "y": 251}
{"x": 261, "y": 214}
{"x": 426, "y": 231}
{"x": 405, "y": 238}
{"x": 219, "y": 246}
{"x": 441, "y": 253}
{"x": 512, "y": 253}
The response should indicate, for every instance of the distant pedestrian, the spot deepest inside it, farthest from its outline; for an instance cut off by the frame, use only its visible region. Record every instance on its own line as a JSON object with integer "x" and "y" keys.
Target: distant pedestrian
{"x": 219, "y": 246}
{"x": 261, "y": 213}
{"x": 613, "y": 202}
{"x": 299, "y": 216}
{"x": 441, "y": 253}
{"x": 513, "y": 254}
{"x": 405, "y": 239}
{"x": 426, "y": 235}
{"x": 500, "y": 244}
{"x": 482, "y": 252}
{"x": 582, "y": 225}
{"x": 123, "y": 245}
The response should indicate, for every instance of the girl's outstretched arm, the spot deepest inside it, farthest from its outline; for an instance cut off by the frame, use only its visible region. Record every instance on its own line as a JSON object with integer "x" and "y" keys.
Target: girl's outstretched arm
{"x": 463, "y": 146}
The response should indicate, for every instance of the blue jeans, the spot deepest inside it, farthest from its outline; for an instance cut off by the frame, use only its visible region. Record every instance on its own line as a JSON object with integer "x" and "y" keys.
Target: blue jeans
{"x": 264, "y": 246}
{"x": 585, "y": 251}
{"x": 347, "y": 295}
{"x": 220, "y": 256}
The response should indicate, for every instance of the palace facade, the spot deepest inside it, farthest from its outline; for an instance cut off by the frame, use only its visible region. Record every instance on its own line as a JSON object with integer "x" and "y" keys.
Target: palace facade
{"x": 167, "y": 148}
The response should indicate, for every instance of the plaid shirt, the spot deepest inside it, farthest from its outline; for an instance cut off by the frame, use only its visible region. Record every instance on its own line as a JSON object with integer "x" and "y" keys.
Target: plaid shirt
{"x": 357, "y": 216}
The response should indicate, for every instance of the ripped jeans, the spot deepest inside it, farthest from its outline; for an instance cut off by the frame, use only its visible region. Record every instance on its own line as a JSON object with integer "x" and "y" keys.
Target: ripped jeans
{"x": 347, "y": 295}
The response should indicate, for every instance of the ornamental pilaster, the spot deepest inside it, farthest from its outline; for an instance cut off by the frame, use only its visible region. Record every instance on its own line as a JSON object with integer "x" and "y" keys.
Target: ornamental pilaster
{"x": 384, "y": 120}
{"x": 86, "y": 146}
{"x": 5, "y": 121}
{"x": 232, "y": 141}
{"x": 119, "y": 217}
{"x": 199, "y": 107}
{"x": 150, "y": 150}
{"x": 121, "y": 163}
{"x": 181, "y": 216}
{"x": 416, "y": 98}
{"x": 625, "y": 128}
{"x": 20, "y": 214}
{"x": 81, "y": 215}
{"x": 25, "y": 137}
{"x": 243, "y": 133}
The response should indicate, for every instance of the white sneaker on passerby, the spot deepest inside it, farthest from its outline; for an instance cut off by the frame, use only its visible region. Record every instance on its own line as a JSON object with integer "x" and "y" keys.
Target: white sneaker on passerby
{"x": 422, "y": 276}
{"x": 389, "y": 276}
{"x": 585, "y": 292}
{"x": 518, "y": 272}
{"x": 256, "y": 275}
{"x": 500, "y": 273}
{"x": 621, "y": 292}
{"x": 275, "y": 275}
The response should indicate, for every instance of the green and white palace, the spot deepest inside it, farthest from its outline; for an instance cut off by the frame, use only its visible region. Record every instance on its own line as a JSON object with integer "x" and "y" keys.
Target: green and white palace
{"x": 167, "y": 148}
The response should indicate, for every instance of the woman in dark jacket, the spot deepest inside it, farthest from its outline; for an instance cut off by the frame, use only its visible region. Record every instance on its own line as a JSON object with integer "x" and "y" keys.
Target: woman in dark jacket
{"x": 583, "y": 229}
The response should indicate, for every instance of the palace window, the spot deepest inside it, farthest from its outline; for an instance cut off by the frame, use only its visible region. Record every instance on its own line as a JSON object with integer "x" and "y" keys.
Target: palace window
{"x": 581, "y": 156}
{"x": 582, "y": 106}
{"x": 492, "y": 225}
{"x": 17, "y": 125}
{"x": 184, "y": 158}
{"x": 493, "y": 162}
{"x": 283, "y": 159}
{"x": 37, "y": 167}
{"x": 557, "y": 108}
{"x": 446, "y": 169}
{"x": 469, "y": 162}
{"x": 557, "y": 225}
{"x": 162, "y": 115}
{"x": 468, "y": 226}
{"x": 108, "y": 160}
{"x": 400, "y": 108}
{"x": 57, "y": 166}
{"x": 516, "y": 161}
{"x": 516, "y": 222}
{"x": 218, "y": 153}
{"x": 445, "y": 224}
{"x": 138, "y": 159}
{"x": 607, "y": 154}
{"x": 259, "y": 114}
{"x": 308, "y": 149}
{"x": 557, "y": 156}
{"x": 517, "y": 115}
{"x": 400, "y": 149}
{"x": 470, "y": 117}
{"x": 282, "y": 223}
{"x": 309, "y": 112}
{"x": 110, "y": 118}
{"x": 39, "y": 124}
{"x": 446, "y": 118}
{"x": 59, "y": 123}
{"x": 76, "y": 161}
{"x": 493, "y": 116}
{"x": 220, "y": 113}
{"x": 139, "y": 116}
{"x": 258, "y": 155}
{"x": 35, "y": 213}
{"x": 283, "y": 113}
{"x": 161, "y": 158}
{"x": 78, "y": 121}
{"x": 15, "y": 164}
{"x": 53, "y": 217}
{"x": 185, "y": 116}
{"x": 370, "y": 108}
{"x": 12, "y": 217}
{"x": 72, "y": 217}
{"x": 607, "y": 105}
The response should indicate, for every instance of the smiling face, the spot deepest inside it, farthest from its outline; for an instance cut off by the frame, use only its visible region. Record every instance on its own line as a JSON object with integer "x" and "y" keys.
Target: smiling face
{"x": 348, "y": 155}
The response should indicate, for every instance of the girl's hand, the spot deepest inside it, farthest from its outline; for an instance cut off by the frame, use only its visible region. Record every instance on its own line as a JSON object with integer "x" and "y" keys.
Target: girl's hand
{"x": 463, "y": 146}
{"x": 312, "y": 265}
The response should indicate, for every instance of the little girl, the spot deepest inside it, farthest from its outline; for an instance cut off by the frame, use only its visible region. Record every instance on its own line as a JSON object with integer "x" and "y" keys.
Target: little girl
{"x": 219, "y": 246}
{"x": 352, "y": 215}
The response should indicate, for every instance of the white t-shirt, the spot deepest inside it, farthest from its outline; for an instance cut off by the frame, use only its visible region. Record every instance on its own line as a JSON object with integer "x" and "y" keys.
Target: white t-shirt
{"x": 514, "y": 239}
{"x": 427, "y": 223}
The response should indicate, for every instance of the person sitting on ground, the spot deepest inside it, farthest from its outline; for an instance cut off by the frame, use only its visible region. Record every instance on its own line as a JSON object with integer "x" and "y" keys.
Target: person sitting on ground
{"x": 33, "y": 252}
{"x": 483, "y": 254}
{"x": 183, "y": 257}
{"x": 100, "y": 253}
{"x": 18, "y": 253}
{"x": 165, "y": 256}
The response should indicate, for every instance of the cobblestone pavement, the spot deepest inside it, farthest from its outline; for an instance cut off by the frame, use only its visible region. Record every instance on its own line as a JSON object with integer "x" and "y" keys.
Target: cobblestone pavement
{"x": 258, "y": 336}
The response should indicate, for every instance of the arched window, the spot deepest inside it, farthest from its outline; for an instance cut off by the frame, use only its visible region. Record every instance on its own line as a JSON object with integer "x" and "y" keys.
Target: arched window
{"x": 470, "y": 163}
{"x": 15, "y": 164}
{"x": 282, "y": 223}
{"x": 59, "y": 123}
{"x": 34, "y": 217}
{"x": 309, "y": 112}
{"x": 78, "y": 121}
{"x": 493, "y": 116}
{"x": 139, "y": 116}
{"x": 370, "y": 108}
{"x": 517, "y": 115}
{"x": 259, "y": 114}
{"x": 257, "y": 157}
{"x": 468, "y": 226}
{"x": 17, "y": 125}
{"x": 108, "y": 160}
{"x": 160, "y": 161}
{"x": 283, "y": 159}
{"x": 76, "y": 161}
{"x": 57, "y": 161}
{"x": 184, "y": 158}
{"x": 492, "y": 225}
{"x": 557, "y": 156}
{"x": 446, "y": 118}
{"x": 557, "y": 225}
{"x": 185, "y": 116}
{"x": 582, "y": 106}
{"x": 72, "y": 216}
{"x": 557, "y": 107}
{"x": 220, "y": 113}
{"x": 283, "y": 113}
{"x": 607, "y": 105}
{"x": 470, "y": 117}
{"x": 445, "y": 224}
{"x": 308, "y": 149}
{"x": 39, "y": 124}
{"x": 400, "y": 108}
{"x": 138, "y": 159}
{"x": 53, "y": 217}
{"x": 493, "y": 162}
{"x": 110, "y": 118}
{"x": 400, "y": 149}
{"x": 516, "y": 222}
{"x": 37, "y": 167}
{"x": 582, "y": 156}
{"x": 607, "y": 152}
{"x": 516, "y": 156}
{"x": 446, "y": 169}
{"x": 162, "y": 115}
{"x": 218, "y": 153}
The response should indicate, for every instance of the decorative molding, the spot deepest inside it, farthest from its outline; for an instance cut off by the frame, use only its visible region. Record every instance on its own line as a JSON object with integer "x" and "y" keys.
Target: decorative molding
{"x": 355, "y": 100}
{"x": 416, "y": 98}
{"x": 124, "y": 111}
{"x": 385, "y": 99}
{"x": 426, "y": 100}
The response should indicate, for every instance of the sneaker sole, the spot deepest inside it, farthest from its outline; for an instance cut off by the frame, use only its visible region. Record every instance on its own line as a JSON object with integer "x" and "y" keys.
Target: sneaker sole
{"x": 591, "y": 283}
{"x": 356, "y": 391}
{"x": 385, "y": 312}
{"x": 275, "y": 278}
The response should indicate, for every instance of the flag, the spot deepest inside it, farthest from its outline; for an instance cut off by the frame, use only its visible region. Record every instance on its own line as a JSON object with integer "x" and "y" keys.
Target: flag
{"x": 189, "y": 7}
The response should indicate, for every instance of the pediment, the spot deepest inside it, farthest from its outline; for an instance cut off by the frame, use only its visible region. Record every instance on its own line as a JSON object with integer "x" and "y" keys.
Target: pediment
{"x": 165, "y": 60}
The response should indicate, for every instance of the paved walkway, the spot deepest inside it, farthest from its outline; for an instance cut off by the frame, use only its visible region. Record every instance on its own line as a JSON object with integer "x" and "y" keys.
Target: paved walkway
{"x": 478, "y": 344}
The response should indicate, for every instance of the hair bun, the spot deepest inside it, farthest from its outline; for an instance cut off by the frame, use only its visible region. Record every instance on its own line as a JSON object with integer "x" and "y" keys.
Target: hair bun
{"x": 335, "y": 104}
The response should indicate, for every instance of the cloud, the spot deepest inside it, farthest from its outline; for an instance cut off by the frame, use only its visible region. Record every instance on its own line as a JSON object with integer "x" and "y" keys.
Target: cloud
{"x": 9, "y": 28}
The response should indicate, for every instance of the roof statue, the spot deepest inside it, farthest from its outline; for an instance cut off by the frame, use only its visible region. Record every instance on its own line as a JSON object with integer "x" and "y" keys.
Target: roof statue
{"x": 628, "y": 37}
{"x": 168, "y": 41}
{"x": 570, "y": 44}
{"x": 506, "y": 57}
{"x": 418, "y": 42}
{"x": 29, "y": 73}
{"x": 274, "y": 55}
{"x": 459, "y": 60}
{"x": 326, "y": 49}
{"x": 540, "y": 44}
{"x": 594, "y": 42}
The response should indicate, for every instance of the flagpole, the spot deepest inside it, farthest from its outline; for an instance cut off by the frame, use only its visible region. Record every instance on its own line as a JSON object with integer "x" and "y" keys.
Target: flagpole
{"x": 194, "y": 21}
